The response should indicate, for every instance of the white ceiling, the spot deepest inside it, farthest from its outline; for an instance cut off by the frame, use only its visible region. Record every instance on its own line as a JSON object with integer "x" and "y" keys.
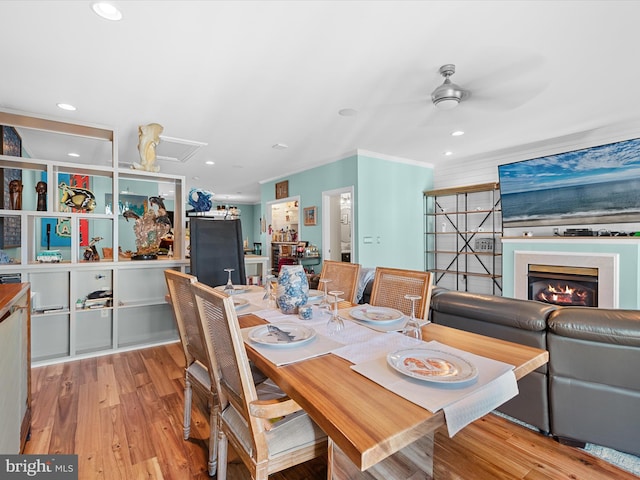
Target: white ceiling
{"x": 243, "y": 76}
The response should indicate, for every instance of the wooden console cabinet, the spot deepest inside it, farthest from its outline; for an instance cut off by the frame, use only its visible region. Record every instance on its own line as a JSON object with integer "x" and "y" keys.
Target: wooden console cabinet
{"x": 15, "y": 367}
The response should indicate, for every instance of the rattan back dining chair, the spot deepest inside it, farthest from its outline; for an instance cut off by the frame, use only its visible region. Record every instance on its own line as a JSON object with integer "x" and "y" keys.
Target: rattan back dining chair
{"x": 196, "y": 360}
{"x": 269, "y": 433}
{"x": 343, "y": 276}
{"x": 390, "y": 285}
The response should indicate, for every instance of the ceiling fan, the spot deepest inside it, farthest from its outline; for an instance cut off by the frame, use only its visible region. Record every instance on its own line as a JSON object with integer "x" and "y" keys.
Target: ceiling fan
{"x": 501, "y": 89}
{"x": 448, "y": 95}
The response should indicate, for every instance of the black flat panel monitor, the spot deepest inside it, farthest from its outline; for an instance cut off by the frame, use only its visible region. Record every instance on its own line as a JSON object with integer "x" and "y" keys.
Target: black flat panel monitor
{"x": 216, "y": 245}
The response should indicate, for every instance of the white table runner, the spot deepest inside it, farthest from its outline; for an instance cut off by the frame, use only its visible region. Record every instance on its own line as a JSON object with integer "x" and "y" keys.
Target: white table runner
{"x": 368, "y": 349}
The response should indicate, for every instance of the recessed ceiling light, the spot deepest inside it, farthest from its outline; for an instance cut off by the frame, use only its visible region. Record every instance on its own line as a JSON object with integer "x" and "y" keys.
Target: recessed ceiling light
{"x": 196, "y": 178}
{"x": 457, "y": 133}
{"x": 347, "y": 112}
{"x": 75, "y": 155}
{"x": 107, "y": 11}
{"x": 66, "y": 106}
{"x": 210, "y": 162}
{"x": 448, "y": 154}
{"x": 280, "y": 146}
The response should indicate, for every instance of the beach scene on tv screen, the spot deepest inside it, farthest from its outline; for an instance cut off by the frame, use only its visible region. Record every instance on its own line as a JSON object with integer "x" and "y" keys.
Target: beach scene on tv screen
{"x": 593, "y": 185}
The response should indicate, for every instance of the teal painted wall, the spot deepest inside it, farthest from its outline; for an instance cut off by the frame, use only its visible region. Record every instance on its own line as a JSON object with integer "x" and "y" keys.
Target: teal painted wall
{"x": 309, "y": 185}
{"x": 389, "y": 211}
{"x": 387, "y": 204}
{"x": 629, "y": 296}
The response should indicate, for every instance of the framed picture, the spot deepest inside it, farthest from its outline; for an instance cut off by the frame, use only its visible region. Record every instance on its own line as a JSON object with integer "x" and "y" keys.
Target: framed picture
{"x": 282, "y": 189}
{"x": 11, "y": 142}
{"x": 310, "y": 214}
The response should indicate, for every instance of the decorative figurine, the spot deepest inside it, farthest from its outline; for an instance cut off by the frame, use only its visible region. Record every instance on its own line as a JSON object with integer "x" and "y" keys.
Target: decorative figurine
{"x": 148, "y": 140}
{"x": 41, "y": 190}
{"x": 200, "y": 200}
{"x": 150, "y": 228}
{"x": 77, "y": 197}
{"x": 91, "y": 252}
{"x": 15, "y": 194}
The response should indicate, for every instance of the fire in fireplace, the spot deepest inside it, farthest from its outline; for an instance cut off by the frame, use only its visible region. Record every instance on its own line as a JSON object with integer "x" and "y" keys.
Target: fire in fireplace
{"x": 561, "y": 285}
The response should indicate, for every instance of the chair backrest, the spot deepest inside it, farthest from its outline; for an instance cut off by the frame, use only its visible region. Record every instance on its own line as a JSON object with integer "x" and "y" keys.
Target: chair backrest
{"x": 225, "y": 349}
{"x": 214, "y": 246}
{"x": 184, "y": 310}
{"x": 343, "y": 276}
{"x": 390, "y": 285}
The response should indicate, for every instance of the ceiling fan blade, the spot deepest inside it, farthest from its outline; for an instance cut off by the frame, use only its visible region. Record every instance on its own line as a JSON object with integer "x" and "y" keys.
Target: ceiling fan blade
{"x": 502, "y": 98}
{"x": 499, "y": 65}
{"x": 506, "y": 82}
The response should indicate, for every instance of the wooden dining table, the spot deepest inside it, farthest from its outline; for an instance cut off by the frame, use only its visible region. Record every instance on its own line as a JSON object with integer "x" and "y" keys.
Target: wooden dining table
{"x": 374, "y": 433}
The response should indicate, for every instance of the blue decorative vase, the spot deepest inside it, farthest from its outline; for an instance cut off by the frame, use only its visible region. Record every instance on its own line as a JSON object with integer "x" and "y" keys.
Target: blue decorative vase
{"x": 293, "y": 288}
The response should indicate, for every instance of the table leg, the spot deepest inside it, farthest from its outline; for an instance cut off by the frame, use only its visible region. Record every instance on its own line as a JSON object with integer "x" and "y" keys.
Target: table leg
{"x": 413, "y": 462}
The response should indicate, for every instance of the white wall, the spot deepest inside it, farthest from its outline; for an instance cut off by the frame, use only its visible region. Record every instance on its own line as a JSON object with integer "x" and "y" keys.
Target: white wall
{"x": 483, "y": 167}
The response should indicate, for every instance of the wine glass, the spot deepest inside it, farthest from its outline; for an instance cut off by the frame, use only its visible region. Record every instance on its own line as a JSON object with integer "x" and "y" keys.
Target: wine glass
{"x": 228, "y": 288}
{"x": 267, "y": 287}
{"x": 413, "y": 328}
{"x": 269, "y": 294}
{"x": 335, "y": 323}
{"x": 324, "y": 303}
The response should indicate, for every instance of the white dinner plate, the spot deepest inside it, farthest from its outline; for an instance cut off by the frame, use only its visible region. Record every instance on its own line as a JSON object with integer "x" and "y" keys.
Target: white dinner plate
{"x": 315, "y": 295}
{"x": 237, "y": 289}
{"x": 282, "y": 335}
{"x": 367, "y": 313}
{"x": 432, "y": 365}
{"x": 239, "y": 303}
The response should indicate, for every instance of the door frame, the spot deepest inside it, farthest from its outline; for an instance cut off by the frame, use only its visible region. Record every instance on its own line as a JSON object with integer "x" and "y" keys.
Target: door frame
{"x": 268, "y": 216}
{"x": 328, "y": 223}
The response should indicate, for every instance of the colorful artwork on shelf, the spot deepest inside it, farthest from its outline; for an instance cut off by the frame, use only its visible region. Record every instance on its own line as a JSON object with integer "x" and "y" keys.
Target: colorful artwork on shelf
{"x": 60, "y": 228}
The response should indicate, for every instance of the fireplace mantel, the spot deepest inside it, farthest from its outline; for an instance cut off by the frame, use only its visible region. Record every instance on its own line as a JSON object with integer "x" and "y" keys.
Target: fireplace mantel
{"x": 626, "y": 250}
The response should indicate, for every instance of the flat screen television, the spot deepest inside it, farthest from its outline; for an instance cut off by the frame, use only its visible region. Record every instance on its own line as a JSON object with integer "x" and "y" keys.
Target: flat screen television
{"x": 592, "y": 185}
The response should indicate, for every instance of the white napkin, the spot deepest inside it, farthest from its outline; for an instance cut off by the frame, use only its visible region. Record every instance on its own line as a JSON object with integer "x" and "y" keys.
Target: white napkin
{"x": 279, "y": 356}
{"x": 477, "y": 404}
{"x": 462, "y": 404}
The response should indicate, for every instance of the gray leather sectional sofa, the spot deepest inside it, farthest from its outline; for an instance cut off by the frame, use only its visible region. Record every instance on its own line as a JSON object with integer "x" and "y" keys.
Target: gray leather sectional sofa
{"x": 590, "y": 389}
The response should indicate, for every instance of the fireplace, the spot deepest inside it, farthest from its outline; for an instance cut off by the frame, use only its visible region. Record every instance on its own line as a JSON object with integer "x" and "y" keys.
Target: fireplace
{"x": 562, "y": 285}
{"x": 580, "y": 268}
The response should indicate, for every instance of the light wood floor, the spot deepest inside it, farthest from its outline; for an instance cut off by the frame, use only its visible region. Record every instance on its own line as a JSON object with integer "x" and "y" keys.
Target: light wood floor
{"x": 122, "y": 414}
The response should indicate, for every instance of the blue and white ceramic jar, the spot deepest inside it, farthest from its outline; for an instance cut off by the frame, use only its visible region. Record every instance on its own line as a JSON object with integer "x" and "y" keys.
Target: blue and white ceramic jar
{"x": 305, "y": 312}
{"x": 293, "y": 288}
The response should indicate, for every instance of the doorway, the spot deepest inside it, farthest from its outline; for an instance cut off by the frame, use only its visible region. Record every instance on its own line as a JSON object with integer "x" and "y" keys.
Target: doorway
{"x": 282, "y": 224}
{"x": 337, "y": 225}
